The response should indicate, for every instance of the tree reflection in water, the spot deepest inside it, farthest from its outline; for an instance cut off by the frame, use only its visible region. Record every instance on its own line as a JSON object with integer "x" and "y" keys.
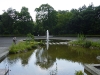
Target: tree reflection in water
{"x": 24, "y": 57}
{"x": 51, "y": 59}
{"x": 44, "y": 60}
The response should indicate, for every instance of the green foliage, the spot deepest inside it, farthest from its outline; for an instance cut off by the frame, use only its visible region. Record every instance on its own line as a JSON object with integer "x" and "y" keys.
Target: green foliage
{"x": 68, "y": 22}
{"x": 96, "y": 44}
{"x": 30, "y": 37}
{"x": 63, "y": 22}
{"x": 41, "y": 43}
{"x": 85, "y": 43}
{"x": 21, "y": 47}
{"x": 18, "y": 23}
{"x": 28, "y": 44}
{"x": 82, "y": 41}
{"x": 79, "y": 73}
{"x": 81, "y": 37}
{"x": 45, "y": 18}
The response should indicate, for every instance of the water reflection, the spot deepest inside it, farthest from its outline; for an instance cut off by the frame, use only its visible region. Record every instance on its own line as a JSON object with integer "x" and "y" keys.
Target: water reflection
{"x": 43, "y": 59}
{"x": 47, "y": 44}
{"x": 59, "y": 59}
{"x": 24, "y": 57}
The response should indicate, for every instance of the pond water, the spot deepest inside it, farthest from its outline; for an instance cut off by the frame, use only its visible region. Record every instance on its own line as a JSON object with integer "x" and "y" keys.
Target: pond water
{"x": 57, "y": 59}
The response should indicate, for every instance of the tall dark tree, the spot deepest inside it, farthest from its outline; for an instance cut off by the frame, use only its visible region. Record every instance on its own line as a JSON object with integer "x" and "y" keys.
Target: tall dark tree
{"x": 0, "y": 24}
{"x": 85, "y": 20}
{"x": 24, "y": 22}
{"x": 12, "y": 22}
{"x": 45, "y": 18}
{"x": 7, "y": 23}
{"x": 63, "y": 19}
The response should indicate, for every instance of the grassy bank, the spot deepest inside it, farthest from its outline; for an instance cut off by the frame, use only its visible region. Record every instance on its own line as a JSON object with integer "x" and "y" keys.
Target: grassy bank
{"x": 24, "y": 46}
{"x": 85, "y": 43}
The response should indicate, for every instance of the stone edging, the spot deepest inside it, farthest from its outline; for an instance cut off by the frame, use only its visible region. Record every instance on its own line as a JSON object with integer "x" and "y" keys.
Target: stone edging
{"x": 4, "y": 54}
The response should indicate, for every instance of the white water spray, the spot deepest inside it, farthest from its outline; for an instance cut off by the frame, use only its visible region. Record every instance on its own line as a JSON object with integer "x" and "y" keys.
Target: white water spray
{"x": 47, "y": 39}
{"x": 47, "y": 35}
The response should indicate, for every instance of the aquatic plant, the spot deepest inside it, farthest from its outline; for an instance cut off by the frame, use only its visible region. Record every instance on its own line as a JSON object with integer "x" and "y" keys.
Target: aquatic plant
{"x": 79, "y": 73}
{"x": 96, "y": 44}
{"x": 81, "y": 37}
{"x": 82, "y": 41}
{"x": 86, "y": 44}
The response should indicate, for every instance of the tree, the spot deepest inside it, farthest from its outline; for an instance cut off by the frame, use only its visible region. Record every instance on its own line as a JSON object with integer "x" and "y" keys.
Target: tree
{"x": 12, "y": 22}
{"x": 7, "y": 23}
{"x": 45, "y": 18}
{"x": 25, "y": 22}
{"x": 0, "y": 25}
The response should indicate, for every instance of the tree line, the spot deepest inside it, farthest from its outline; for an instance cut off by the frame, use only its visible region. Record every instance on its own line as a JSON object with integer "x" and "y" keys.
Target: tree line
{"x": 85, "y": 20}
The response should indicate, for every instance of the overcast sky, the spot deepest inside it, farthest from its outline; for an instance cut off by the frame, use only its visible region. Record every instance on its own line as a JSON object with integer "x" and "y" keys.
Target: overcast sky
{"x": 56, "y": 4}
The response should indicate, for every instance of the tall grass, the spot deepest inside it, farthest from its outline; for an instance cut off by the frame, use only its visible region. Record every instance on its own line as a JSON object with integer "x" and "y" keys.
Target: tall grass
{"x": 24, "y": 46}
{"x": 81, "y": 37}
{"x": 85, "y": 43}
{"x": 95, "y": 44}
{"x": 21, "y": 47}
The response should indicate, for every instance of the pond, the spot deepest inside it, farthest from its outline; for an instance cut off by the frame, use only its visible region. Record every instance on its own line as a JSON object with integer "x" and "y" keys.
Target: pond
{"x": 58, "y": 59}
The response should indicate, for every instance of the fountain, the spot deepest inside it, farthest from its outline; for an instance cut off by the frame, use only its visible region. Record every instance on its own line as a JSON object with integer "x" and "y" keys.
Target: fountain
{"x": 47, "y": 39}
{"x": 47, "y": 35}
